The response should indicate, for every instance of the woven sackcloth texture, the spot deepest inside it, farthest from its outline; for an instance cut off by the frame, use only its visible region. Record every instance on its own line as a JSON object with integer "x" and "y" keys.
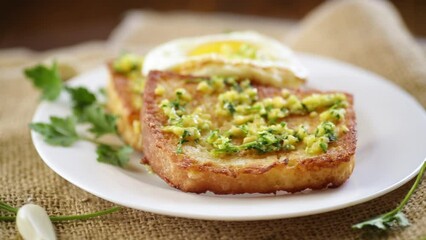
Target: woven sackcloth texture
{"x": 369, "y": 34}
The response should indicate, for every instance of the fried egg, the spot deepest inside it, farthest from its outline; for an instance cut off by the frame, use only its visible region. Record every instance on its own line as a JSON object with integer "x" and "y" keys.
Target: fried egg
{"x": 238, "y": 54}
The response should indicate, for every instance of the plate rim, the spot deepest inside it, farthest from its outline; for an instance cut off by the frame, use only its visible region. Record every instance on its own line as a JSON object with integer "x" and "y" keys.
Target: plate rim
{"x": 194, "y": 215}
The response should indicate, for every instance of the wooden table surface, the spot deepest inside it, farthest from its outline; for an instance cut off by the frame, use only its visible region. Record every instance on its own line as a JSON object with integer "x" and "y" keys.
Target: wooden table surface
{"x": 46, "y": 24}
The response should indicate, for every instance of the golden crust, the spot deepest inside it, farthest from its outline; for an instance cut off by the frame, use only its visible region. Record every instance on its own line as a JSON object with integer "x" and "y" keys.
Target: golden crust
{"x": 120, "y": 104}
{"x": 290, "y": 172}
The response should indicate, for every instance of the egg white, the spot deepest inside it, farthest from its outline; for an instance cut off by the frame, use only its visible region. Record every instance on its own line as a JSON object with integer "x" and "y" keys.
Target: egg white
{"x": 274, "y": 63}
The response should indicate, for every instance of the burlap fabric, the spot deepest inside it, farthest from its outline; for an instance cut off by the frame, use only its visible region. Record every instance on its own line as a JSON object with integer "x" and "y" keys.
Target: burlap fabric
{"x": 366, "y": 33}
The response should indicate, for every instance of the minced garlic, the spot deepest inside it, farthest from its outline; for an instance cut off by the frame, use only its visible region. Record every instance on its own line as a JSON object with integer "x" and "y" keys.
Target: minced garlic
{"x": 251, "y": 123}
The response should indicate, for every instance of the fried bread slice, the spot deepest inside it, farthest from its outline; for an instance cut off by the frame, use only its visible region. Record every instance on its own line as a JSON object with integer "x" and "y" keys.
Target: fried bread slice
{"x": 125, "y": 101}
{"x": 196, "y": 166}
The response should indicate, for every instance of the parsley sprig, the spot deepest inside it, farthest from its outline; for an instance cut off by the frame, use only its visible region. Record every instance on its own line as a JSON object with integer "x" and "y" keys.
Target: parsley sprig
{"x": 8, "y": 208}
{"x": 46, "y": 79}
{"x": 59, "y": 132}
{"x": 118, "y": 156}
{"x": 396, "y": 216}
{"x": 81, "y": 98}
{"x": 87, "y": 109}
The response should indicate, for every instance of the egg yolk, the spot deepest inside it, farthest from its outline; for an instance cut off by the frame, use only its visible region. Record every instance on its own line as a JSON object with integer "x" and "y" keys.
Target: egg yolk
{"x": 231, "y": 49}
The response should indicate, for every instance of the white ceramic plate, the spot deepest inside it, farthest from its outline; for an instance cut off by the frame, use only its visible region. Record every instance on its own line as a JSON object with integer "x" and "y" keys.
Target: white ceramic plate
{"x": 391, "y": 148}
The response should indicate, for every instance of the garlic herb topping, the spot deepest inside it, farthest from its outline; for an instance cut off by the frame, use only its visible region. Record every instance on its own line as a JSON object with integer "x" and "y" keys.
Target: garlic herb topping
{"x": 246, "y": 122}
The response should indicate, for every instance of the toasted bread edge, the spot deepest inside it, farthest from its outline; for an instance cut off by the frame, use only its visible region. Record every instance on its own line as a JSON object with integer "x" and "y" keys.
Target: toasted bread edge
{"x": 119, "y": 104}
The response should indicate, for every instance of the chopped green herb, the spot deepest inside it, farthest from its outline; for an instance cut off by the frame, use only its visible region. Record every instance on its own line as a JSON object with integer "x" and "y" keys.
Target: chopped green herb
{"x": 265, "y": 142}
{"x": 232, "y": 82}
{"x": 128, "y": 63}
{"x": 324, "y": 146}
{"x": 182, "y": 140}
{"x": 46, "y": 79}
{"x": 244, "y": 128}
{"x": 326, "y": 129}
{"x": 178, "y": 106}
{"x": 230, "y": 107}
{"x": 213, "y": 135}
{"x": 224, "y": 145}
{"x": 252, "y": 121}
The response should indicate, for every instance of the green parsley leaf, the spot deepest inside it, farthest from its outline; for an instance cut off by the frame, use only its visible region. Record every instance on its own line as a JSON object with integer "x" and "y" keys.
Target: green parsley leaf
{"x": 81, "y": 98}
{"x": 102, "y": 122}
{"x": 86, "y": 108}
{"x": 383, "y": 222}
{"x": 59, "y": 132}
{"x": 46, "y": 79}
{"x": 396, "y": 216}
{"x": 114, "y": 156}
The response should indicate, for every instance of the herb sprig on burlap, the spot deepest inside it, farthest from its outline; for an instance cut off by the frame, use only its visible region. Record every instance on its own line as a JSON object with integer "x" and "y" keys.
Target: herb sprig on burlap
{"x": 395, "y": 217}
{"x": 13, "y": 210}
{"x": 87, "y": 109}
